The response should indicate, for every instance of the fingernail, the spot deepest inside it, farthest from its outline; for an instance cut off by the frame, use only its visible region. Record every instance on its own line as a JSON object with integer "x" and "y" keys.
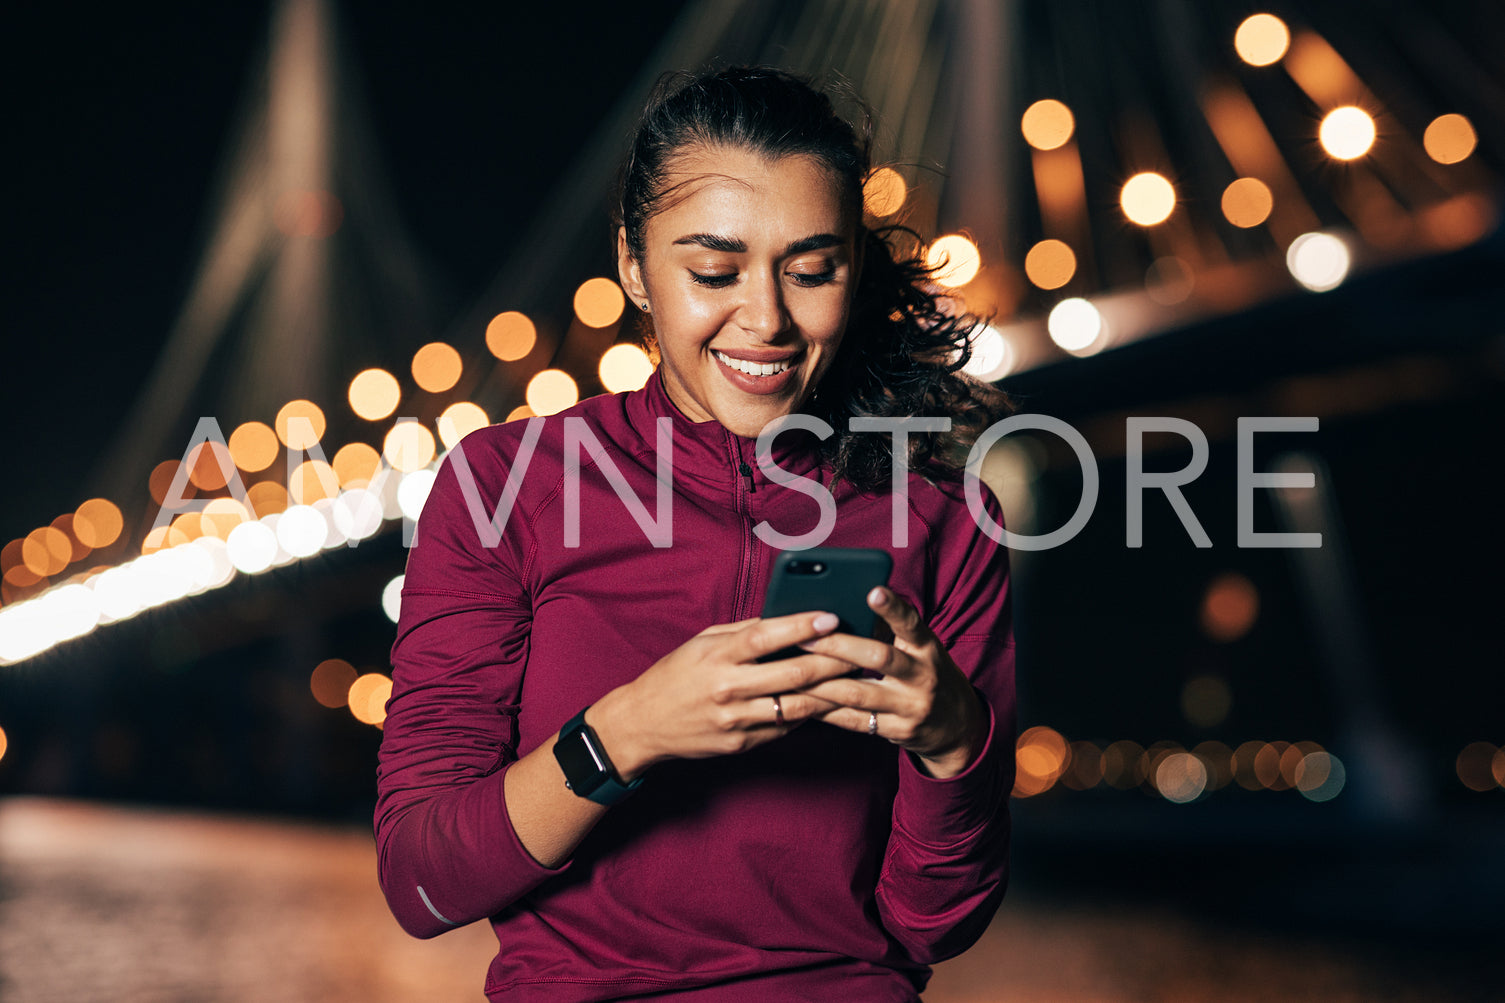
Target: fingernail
{"x": 878, "y": 597}
{"x": 826, "y": 622}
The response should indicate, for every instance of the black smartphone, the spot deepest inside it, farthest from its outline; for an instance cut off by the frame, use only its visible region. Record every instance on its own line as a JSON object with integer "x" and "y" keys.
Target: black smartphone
{"x": 834, "y": 579}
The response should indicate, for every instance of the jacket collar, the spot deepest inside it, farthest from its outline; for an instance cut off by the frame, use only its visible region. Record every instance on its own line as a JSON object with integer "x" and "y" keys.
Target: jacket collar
{"x": 706, "y": 449}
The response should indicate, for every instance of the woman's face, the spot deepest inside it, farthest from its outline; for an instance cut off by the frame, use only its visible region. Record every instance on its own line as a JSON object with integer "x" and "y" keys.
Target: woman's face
{"x": 749, "y": 274}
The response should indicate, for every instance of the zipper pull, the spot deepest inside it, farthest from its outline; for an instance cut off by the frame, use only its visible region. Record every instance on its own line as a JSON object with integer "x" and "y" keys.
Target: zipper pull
{"x": 747, "y": 472}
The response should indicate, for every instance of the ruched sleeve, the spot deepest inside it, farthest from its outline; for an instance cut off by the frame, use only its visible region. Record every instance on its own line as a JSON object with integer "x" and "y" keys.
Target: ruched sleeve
{"x": 447, "y": 852}
{"x": 946, "y": 866}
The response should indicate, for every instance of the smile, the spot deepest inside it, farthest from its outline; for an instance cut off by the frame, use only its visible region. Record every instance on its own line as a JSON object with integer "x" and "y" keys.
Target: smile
{"x": 753, "y": 368}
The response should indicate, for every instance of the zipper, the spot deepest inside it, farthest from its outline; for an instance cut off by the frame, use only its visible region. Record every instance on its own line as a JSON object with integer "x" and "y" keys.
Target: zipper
{"x": 744, "y": 508}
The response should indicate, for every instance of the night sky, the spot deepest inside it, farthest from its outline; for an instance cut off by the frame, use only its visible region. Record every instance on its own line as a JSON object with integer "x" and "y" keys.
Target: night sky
{"x": 120, "y": 121}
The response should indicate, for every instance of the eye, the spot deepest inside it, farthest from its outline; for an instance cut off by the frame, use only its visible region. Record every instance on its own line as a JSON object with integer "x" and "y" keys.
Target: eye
{"x": 713, "y": 281}
{"x": 809, "y": 280}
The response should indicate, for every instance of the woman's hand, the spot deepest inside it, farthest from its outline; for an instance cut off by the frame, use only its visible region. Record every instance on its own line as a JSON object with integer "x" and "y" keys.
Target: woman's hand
{"x": 923, "y": 702}
{"x": 712, "y": 697}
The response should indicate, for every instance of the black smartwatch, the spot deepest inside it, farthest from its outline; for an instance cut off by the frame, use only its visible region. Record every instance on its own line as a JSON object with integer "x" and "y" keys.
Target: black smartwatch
{"x": 587, "y": 770}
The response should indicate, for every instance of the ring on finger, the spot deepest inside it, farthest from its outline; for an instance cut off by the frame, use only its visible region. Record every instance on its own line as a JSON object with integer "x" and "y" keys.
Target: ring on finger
{"x": 872, "y": 722}
{"x": 778, "y": 710}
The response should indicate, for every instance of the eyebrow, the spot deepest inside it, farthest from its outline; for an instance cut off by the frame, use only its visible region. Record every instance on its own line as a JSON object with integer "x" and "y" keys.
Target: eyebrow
{"x": 732, "y": 245}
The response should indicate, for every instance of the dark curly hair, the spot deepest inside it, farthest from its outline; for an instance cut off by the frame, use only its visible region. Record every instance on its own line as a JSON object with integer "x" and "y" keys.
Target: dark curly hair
{"x": 904, "y": 347}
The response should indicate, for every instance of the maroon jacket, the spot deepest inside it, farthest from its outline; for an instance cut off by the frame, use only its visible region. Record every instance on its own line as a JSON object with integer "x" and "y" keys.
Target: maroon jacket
{"x": 822, "y": 866}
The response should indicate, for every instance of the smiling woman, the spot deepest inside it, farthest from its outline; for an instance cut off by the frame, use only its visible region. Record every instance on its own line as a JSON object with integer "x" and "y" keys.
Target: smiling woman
{"x": 587, "y": 741}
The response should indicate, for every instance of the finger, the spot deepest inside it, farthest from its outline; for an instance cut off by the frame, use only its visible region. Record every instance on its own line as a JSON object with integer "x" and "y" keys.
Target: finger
{"x": 727, "y": 628}
{"x": 865, "y": 653}
{"x": 764, "y": 679}
{"x": 900, "y": 615}
{"x": 765, "y": 637}
{"x": 890, "y": 727}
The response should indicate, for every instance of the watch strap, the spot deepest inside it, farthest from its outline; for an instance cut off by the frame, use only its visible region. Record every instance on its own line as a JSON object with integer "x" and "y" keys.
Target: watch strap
{"x": 588, "y": 771}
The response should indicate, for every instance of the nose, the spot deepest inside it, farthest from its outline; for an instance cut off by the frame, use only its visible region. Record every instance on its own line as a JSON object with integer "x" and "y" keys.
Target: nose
{"x": 762, "y": 313}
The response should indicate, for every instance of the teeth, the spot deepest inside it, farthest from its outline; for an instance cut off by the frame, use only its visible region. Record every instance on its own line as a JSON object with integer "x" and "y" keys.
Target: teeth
{"x": 753, "y": 368}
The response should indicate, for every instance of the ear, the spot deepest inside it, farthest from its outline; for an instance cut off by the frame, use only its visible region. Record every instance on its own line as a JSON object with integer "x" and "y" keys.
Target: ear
{"x": 629, "y": 271}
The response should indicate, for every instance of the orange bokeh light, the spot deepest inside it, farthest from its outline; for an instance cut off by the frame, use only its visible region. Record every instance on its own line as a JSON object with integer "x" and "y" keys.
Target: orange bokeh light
{"x": 311, "y": 481}
{"x": 367, "y": 697}
{"x": 436, "y": 367}
{"x": 159, "y": 482}
{"x": 599, "y": 302}
{"x": 1050, "y": 264}
{"x": 1261, "y": 39}
{"x": 266, "y": 498}
{"x": 210, "y": 466}
{"x": 884, "y": 192}
{"x": 80, "y": 548}
{"x": 1450, "y": 139}
{"x": 459, "y": 420}
{"x": 409, "y": 447}
{"x": 161, "y": 538}
{"x": 253, "y": 446}
{"x": 374, "y": 394}
{"x": 1148, "y": 198}
{"x": 98, "y": 523}
{"x": 46, "y": 551}
{"x": 300, "y": 424}
{"x": 1229, "y": 607}
{"x": 1042, "y": 756}
{"x": 1047, "y": 124}
{"x": 356, "y": 464}
{"x": 511, "y": 336}
{"x": 1247, "y": 202}
{"x": 331, "y": 681}
{"x": 956, "y": 260}
{"x": 220, "y": 516}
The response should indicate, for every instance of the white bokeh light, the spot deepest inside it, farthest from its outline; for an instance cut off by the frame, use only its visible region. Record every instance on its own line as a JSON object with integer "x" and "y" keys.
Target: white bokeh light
{"x": 302, "y": 531}
{"x": 357, "y": 513}
{"x": 1074, "y": 324}
{"x": 252, "y": 547}
{"x": 992, "y": 355}
{"x": 413, "y": 492}
{"x": 391, "y": 598}
{"x": 1318, "y": 261}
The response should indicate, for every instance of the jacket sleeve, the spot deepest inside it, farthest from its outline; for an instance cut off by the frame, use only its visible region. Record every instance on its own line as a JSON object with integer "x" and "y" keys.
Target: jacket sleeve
{"x": 446, "y": 849}
{"x": 946, "y": 866}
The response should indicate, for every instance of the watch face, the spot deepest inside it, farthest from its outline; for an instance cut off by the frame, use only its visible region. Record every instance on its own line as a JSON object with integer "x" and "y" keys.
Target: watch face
{"x": 582, "y": 769}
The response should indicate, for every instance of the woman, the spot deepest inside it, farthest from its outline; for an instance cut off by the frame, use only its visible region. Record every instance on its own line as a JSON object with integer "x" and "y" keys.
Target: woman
{"x": 582, "y": 744}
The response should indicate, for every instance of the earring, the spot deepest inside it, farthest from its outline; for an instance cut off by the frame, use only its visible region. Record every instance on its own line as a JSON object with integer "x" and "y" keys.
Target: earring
{"x": 645, "y": 306}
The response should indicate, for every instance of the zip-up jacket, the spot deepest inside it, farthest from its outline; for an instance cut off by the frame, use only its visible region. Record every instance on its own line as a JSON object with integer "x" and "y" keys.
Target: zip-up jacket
{"x": 824, "y": 865}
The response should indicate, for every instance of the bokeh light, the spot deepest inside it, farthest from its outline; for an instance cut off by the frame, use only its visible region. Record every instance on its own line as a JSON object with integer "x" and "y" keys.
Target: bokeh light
{"x": 252, "y": 547}
{"x": 1181, "y": 777}
{"x": 1347, "y": 133}
{"x": 1261, "y": 39}
{"x": 1450, "y": 138}
{"x": 408, "y": 446}
{"x": 159, "y": 483}
{"x": 221, "y": 516}
{"x": 1320, "y": 776}
{"x": 356, "y": 464}
{"x": 1206, "y": 700}
{"x": 1084, "y": 769}
{"x": 311, "y": 481}
{"x": 4, "y": 743}
{"x": 253, "y": 446}
{"x": 302, "y": 530}
{"x": 266, "y": 498}
{"x": 413, "y": 493}
{"x": 1229, "y": 606}
{"x": 1267, "y": 766}
{"x": 599, "y": 302}
{"x": 436, "y": 367}
{"x": 551, "y": 391}
{"x": 1318, "y": 261}
{"x": 1041, "y": 757}
{"x": 510, "y": 335}
{"x": 391, "y": 598}
{"x": 46, "y": 551}
{"x": 367, "y": 697}
{"x": 331, "y": 680}
{"x": 1218, "y": 759}
{"x": 210, "y": 465}
{"x": 884, "y": 192}
{"x": 1475, "y": 766}
{"x": 624, "y": 367}
{"x": 1169, "y": 281}
{"x": 1047, "y": 124}
{"x": 300, "y": 424}
{"x": 1123, "y": 764}
{"x": 1074, "y": 324}
{"x": 97, "y": 523}
{"x": 1247, "y": 202}
{"x": 1050, "y": 264}
{"x": 1148, "y": 198}
{"x": 520, "y": 412}
{"x": 955, "y": 259}
{"x": 357, "y": 513}
{"x": 64, "y": 524}
{"x": 374, "y": 394}
{"x": 459, "y": 420}
{"x": 992, "y": 355}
